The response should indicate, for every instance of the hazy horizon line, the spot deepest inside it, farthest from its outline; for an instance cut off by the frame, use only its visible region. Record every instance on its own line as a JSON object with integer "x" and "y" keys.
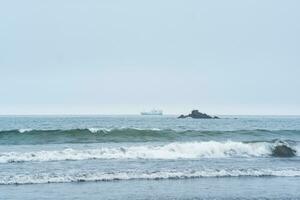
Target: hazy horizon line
{"x": 138, "y": 114}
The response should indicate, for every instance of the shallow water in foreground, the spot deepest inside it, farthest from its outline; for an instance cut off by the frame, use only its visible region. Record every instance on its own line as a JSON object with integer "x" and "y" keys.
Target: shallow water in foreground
{"x": 144, "y": 157}
{"x": 204, "y": 188}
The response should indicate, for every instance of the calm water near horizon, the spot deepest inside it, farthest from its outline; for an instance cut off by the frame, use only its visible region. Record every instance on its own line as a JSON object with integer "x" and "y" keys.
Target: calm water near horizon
{"x": 148, "y": 157}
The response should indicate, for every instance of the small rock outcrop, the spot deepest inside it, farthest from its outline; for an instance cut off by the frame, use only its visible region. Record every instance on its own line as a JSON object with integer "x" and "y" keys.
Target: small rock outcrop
{"x": 283, "y": 151}
{"x": 198, "y": 115}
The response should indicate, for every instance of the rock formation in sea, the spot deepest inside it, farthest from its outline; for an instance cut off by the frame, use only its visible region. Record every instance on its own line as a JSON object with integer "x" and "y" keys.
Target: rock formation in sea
{"x": 198, "y": 115}
{"x": 283, "y": 150}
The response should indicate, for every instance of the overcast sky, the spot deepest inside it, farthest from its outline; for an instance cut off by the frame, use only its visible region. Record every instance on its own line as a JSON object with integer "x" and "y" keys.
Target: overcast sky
{"x": 123, "y": 57}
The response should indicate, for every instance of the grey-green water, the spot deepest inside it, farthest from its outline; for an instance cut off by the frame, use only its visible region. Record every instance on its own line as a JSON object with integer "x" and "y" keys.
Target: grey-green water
{"x": 144, "y": 157}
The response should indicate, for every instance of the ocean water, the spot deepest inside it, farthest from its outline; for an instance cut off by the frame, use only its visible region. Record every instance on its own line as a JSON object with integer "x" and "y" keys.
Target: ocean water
{"x": 148, "y": 157}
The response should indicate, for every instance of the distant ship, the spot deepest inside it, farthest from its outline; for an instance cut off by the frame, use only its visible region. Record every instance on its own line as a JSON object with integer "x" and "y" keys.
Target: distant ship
{"x": 153, "y": 112}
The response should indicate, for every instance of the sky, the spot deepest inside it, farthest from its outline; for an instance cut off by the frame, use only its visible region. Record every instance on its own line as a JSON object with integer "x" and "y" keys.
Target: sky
{"x": 124, "y": 57}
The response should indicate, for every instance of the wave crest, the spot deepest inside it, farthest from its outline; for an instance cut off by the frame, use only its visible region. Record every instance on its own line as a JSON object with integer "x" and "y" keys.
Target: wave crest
{"x": 188, "y": 150}
{"x": 93, "y": 176}
{"x": 104, "y": 135}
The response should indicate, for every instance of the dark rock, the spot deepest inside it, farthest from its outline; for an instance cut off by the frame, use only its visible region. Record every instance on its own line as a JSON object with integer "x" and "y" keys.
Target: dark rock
{"x": 283, "y": 151}
{"x": 182, "y": 117}
{"x": 198, "y": 115}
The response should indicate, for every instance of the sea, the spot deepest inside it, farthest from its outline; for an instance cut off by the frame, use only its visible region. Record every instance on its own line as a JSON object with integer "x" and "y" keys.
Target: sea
{"x": 129, "y": 157}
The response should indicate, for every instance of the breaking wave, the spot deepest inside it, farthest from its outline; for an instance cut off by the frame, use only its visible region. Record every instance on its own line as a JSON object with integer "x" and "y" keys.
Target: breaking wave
{"x": 186, "y": 150}
{"x": 93, "y": 176}
{"x": 102, "y": 135}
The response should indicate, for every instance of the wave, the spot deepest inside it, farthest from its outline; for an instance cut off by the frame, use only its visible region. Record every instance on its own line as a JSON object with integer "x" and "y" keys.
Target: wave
{"x": 24, "y": 130}
{"x": 92, "y": 176}
{"x": 102, "y": 135}
{"x": 171, "y": 151}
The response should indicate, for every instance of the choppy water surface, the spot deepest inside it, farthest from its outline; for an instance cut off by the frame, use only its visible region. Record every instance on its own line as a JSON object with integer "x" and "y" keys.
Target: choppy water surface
{"x": 144, "y": 157}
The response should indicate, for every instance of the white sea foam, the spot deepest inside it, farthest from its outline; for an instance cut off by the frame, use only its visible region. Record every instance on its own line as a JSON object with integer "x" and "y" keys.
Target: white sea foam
{"x": 142, "y": 129}
{"x": 91, "y": 176}
{"x": 24, "y": 130}
{"x": 95, "y": 130}
{"x": 188, "y": 150}
{"x": 156, "y": 129}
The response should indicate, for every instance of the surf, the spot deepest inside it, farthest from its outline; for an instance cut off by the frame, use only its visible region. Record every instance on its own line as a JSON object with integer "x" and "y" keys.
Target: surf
{"x": 170, "y": 151}
{"x": 96, "y": 176}
{"x": 119, "y": 135}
